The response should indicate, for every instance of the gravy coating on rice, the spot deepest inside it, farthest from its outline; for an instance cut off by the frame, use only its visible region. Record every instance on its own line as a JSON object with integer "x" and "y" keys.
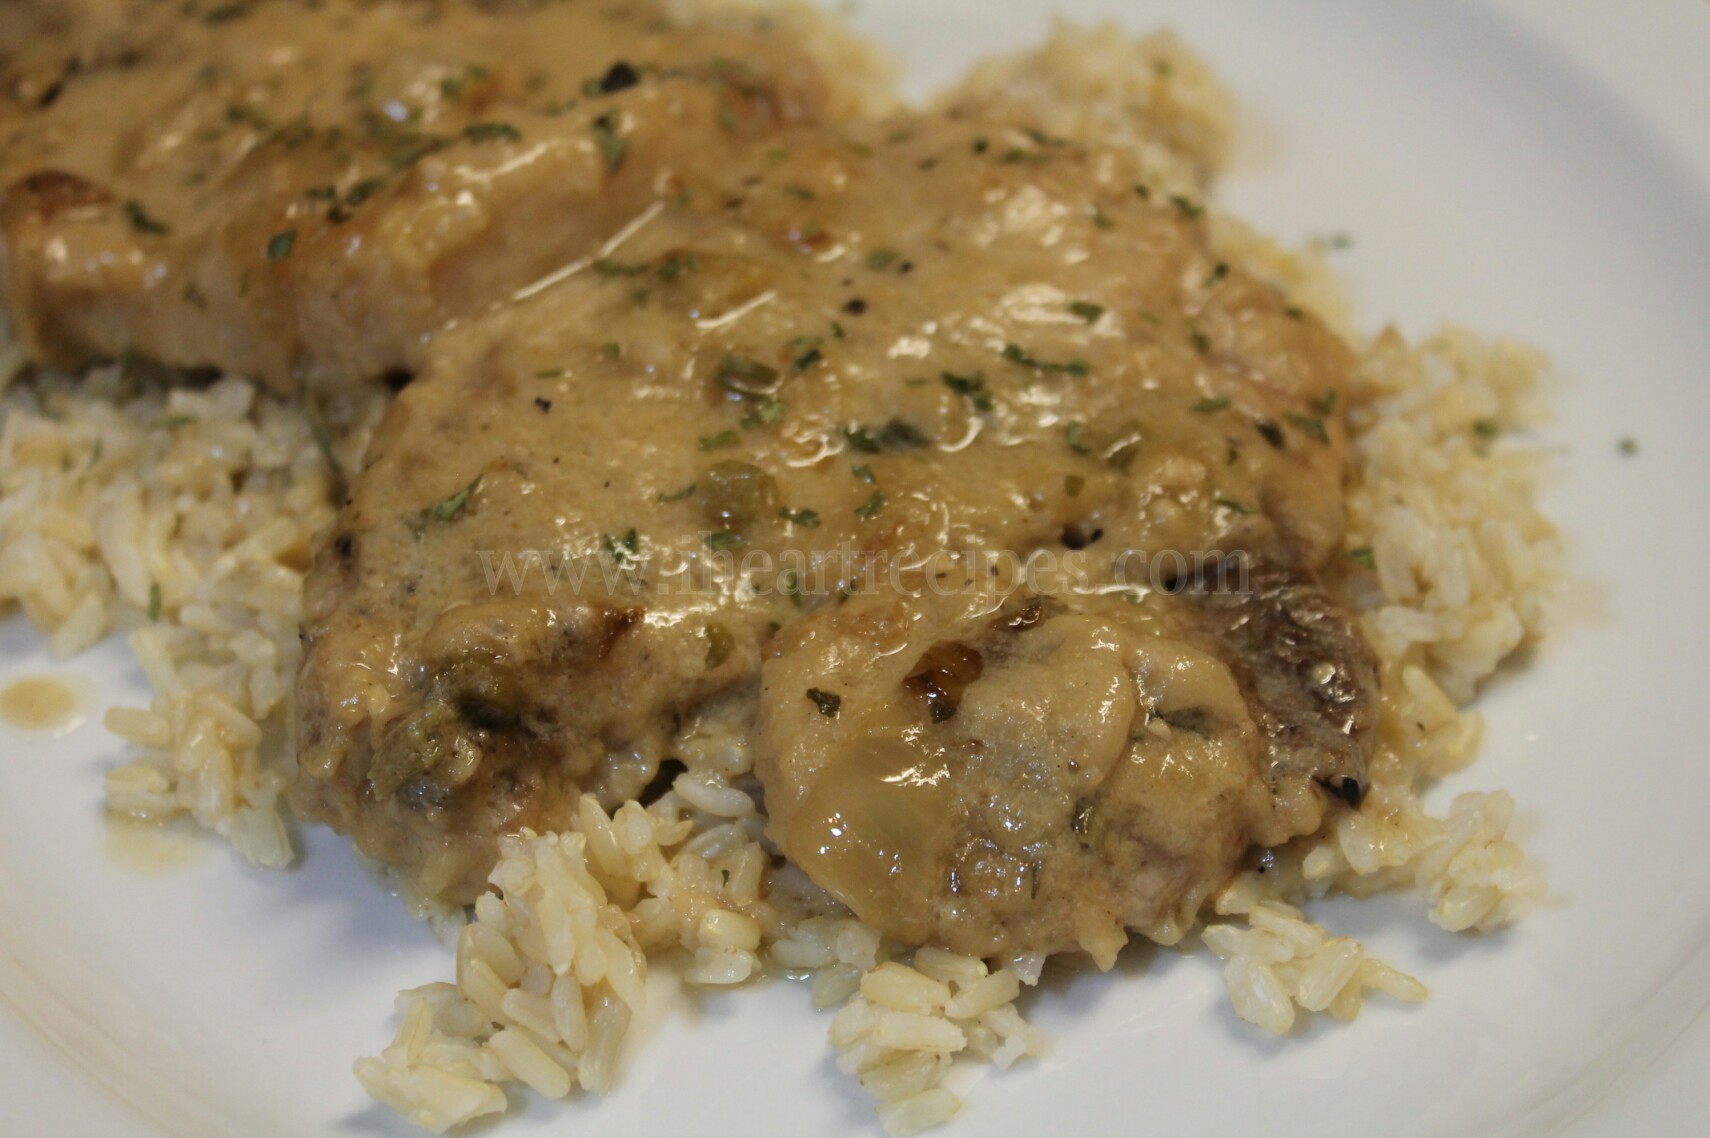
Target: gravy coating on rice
{"x": 915, "y": 345}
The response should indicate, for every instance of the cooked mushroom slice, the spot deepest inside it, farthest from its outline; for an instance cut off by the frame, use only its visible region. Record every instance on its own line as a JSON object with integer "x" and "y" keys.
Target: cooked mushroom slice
{"x": 1104, "y": 766}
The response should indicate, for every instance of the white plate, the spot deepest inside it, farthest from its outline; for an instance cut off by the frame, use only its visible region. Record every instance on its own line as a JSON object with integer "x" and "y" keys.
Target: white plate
{"x": 1534, "y": 168}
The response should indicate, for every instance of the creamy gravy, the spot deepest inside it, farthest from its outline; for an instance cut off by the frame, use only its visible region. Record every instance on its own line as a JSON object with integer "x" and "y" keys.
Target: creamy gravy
{"x": 39, "y": 703}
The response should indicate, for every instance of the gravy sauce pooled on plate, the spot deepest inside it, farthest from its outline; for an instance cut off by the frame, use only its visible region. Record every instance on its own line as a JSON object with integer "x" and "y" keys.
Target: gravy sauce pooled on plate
{"x": 40, "y": 703}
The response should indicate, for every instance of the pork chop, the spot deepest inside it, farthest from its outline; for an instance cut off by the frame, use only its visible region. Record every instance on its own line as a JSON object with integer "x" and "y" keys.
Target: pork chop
{"x": 308, "y": 192}
{"x": 735, "y": 456}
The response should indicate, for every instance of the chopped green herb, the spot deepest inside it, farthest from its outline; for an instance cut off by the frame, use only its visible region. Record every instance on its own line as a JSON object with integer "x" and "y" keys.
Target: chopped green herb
{"x": 972, "y": 386}
{"x": 1327, "y": 404}
{"x": 745, "y": 376}
{"x": 721, "y": 441}
{"x": 829, "y": 703}
{"x": 870, "y": 509}
{"x": 1311, "y": 425}
{"x": 550, "y": 373}
{"x": 725, "y": 540}
{"x": 619, "y": 77}
{"x": 900, "y": 435}
{"x": 1217, "y": 274}
{"x": 173, "y": 422}
{"x": 1015, "y": 156}
{"x": 1334, "y": 242}
{"x": 319, "y": 432}
{"x": 279, "y": 246}
{"x": 404, "y": 158}
{"x": 612, "y": 350}
{"x": 864, "y": 473}
{"x": 675, "y": 266}
{"x": 720, "y": 644}
{"x": 1100, "y": 219}
{"x": 1188, "y": 208}
{"x": 493, "y": 132}
{"x": 142, "y": 222}
{"x": 1201, "y": 342}
{"x": 982, "y": 144}
{"x": 791, "y": 585}
{"x": 880, "y": 259}
{"x": 808, "y": 519}
{"x": 1212, "y": 405}
{"x": 1233, "y": 506}
{"x": 894, "y": 435}
{"x": 1143, "y": 190}
{"x": 452, "y": 506}
{"x": 1363, "y": 556}
{"x": 769, "y": 411}
{"x": 837, "y": 330}
{"x": 1629, "y": 446}
{"x": 808, "y": 359}
{"x": 737, "y": 493}
{"x": 362, "y": 191}
{"x": 860, "y": 439}
{"x": 238, "y": 113}
{"x": 154, "y": 601}
{"x": 610, "y": 142}
{"x": 1086, "y": 311}
{"x": 1073, "y": 431}
{"x": 1487, "y": 429}
{"x": 1294, "y": 312}
{"x": 132, "y": 366}
{"x": 1014, "y": 354}
{"x": 626, "y": 551}
{"x": 295, "y": 134}
{"x": 686, "y": 492}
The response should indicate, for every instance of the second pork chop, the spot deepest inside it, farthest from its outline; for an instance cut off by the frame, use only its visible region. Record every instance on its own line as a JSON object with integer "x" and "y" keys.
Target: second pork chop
{"x": 306, "y": 193}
